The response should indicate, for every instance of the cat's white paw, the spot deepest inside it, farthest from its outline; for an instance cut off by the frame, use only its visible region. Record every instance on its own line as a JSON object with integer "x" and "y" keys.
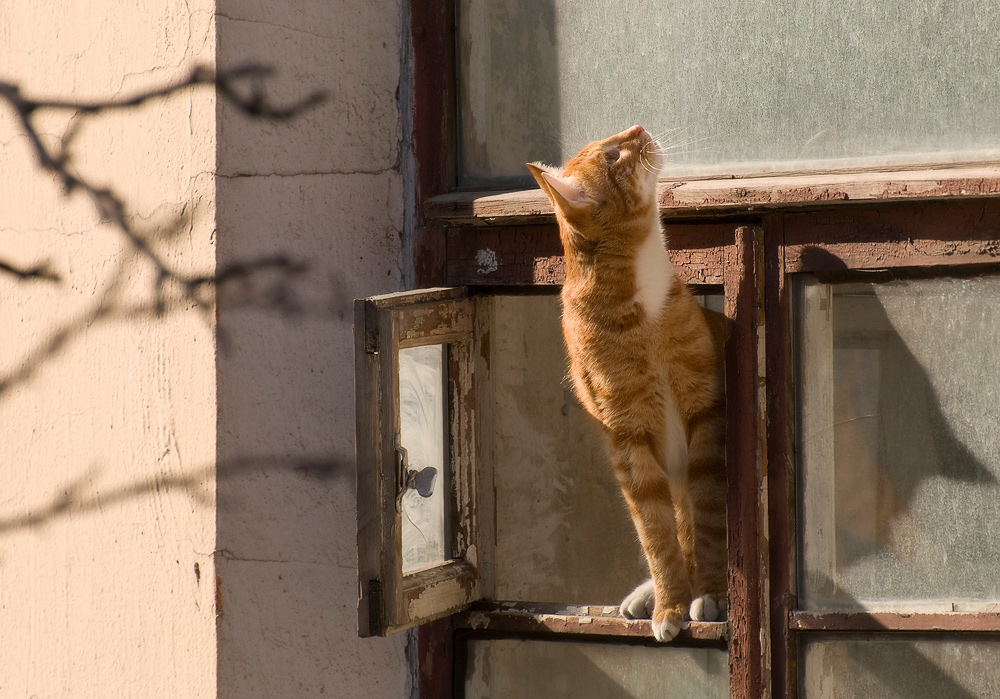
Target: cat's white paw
{"x": 639, "y": 603}
{"x": 664, "y": 630}
{"x": 705, "y": 608}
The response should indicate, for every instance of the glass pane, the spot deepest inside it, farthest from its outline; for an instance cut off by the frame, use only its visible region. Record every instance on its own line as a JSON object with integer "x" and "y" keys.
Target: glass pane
{"x": 733, "y": 86}
{"x": 901, "y": 669}
{"x": 422, "y": 429}
{"x": 515, "y": 669}
{"x": 899, "y": 389}
{"x": 563, "y": 533}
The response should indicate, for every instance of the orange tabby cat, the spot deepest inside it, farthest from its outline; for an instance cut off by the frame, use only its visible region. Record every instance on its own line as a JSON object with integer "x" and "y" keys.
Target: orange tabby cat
{"x": 646, "y": 361}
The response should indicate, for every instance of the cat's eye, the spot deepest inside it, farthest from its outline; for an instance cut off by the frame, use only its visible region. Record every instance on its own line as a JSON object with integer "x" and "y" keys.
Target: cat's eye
{"x": 612, "y": 156}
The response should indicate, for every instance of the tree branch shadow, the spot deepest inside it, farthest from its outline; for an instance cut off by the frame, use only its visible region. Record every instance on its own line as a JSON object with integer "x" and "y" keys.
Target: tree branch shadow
{"x": 71, "y": 498}
{"x": 265, "y": 282}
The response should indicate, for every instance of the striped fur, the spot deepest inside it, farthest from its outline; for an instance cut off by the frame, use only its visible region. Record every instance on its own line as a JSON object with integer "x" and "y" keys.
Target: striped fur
{"x": 646, "y": 362}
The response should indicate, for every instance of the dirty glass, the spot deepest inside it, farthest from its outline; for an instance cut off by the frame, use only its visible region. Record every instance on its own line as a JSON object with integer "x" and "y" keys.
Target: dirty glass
{"x": 563, "y": 533}
{"x": 421, "y": 456}
{"x": 898, "y": 403}
{"x": 901, "y": 669}
{"x": 729, "y": 86}
{"x": 512, "y": 668}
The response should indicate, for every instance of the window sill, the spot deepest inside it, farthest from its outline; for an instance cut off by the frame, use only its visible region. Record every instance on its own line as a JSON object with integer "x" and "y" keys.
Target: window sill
{"x": 896, "y": 621}
{"x": 698, "y": 198}
{"x": 520, "y": 618}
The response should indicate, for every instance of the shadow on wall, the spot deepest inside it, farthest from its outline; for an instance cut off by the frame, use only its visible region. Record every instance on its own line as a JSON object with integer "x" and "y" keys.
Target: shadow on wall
{"x": 72, "y": 498}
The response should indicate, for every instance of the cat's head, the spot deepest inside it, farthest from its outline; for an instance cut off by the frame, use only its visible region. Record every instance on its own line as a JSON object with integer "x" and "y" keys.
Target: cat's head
{"x": 606, "y": 185}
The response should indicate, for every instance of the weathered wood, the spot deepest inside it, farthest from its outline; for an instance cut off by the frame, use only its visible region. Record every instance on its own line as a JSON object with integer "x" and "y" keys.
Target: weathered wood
{"x": 437, "y": 592}
{"x": 518, "y": 618}
{"x": 916, "y": 235}
{"x": 435, "y": 661}
{"x": 391, "y": 601}
{"x": 433, "y": 323}
{"x": 781, "y": 191}
{"x": 712, "y": 197}
{"x": 533, "y": 255}
{"x": 515, "y": 255}
{"x": 744, "y": 463}
{"x": 432, "y": 28}
{"x": 432, "y": 50}
{"x": 779, "y": 388}
{"x": 367, "y": 403}
{"x": 953, "y": 622}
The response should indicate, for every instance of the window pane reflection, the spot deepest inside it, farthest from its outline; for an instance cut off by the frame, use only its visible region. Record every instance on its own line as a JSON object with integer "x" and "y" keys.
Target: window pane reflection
{"x": 899, "y": 398}
{"x": 422, "y": 421}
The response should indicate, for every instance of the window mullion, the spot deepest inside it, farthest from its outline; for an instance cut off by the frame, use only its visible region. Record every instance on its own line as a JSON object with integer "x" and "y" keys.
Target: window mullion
{"x": 746, "y": 505}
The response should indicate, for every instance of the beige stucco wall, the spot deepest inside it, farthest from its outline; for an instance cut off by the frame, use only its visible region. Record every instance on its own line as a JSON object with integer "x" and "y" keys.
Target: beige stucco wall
{"x": 123, "y": 453}
{"x": 107, "y": 449}
{"x": 328, "y": 190}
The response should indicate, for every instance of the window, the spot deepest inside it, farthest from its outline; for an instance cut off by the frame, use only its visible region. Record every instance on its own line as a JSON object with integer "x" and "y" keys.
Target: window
{"x": 419, "y": 542}
{"x": 844, "y": 211}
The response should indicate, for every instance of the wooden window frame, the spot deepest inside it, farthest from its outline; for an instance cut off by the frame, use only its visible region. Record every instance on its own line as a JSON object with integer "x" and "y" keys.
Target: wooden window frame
{"x": 952, "y": 236}
{"x": 749, "y": 235}
{"x": 390, "y": 600}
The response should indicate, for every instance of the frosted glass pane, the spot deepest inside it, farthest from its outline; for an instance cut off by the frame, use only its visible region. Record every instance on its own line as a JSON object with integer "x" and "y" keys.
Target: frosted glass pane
{"x": 736, "y": 85}
{"x": 901, "y": 669}
{"x": 422, "y": 419}
{"x": 515, "y": 669}
{"x": 899, "y": 400}
{"x": 562, "y": 531}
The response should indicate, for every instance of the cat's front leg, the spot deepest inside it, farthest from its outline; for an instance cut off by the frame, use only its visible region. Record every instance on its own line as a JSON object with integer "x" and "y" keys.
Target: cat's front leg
{"x": 647, "y": 494}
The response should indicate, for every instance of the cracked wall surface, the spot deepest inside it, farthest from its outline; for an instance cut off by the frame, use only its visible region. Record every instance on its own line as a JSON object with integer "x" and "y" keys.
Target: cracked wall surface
{"x": 327, "y": 189}
{"x": 157, "y": 535}
{"x": 107, "y": 411}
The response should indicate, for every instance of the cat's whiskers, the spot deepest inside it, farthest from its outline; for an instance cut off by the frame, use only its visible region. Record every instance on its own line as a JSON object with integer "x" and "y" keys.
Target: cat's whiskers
{"x": 673, "y": 148}
{"x": 651, "y": 148}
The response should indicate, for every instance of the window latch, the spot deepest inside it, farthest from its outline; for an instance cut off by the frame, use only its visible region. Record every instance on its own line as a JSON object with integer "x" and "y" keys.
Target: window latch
{"x": 422, "y": 480}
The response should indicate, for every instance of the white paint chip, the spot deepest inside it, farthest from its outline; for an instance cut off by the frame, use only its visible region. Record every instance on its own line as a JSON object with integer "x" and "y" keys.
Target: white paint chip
{"x": 487, "y": 261}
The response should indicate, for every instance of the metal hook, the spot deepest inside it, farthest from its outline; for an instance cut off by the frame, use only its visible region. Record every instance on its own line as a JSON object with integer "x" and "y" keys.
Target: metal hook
{"x": 422, "y": 480}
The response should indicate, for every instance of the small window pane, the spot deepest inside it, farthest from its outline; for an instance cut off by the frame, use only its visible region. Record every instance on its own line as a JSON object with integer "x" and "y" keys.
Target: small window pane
{"x": 899, "y": 398}
{"x": 422, "y": 420}
{"x": 734, "y": 87}
{"x": 515, "y": 669}
{"x": 902, "y": 669}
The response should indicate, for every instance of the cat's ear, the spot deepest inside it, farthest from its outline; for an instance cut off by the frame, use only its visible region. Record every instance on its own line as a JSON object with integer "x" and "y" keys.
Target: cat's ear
{"x": 565, "y": 194}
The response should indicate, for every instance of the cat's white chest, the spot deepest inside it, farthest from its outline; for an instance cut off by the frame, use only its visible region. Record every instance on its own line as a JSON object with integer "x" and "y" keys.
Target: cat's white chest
{"x": 653, "y": 272}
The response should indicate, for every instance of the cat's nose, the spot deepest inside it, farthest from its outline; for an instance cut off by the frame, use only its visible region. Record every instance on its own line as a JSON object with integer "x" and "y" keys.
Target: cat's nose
{"x": 635, "y": 130}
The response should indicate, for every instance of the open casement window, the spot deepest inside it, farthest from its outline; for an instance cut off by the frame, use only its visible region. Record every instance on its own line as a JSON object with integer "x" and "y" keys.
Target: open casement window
{"x": 549, "y": 548}
{"x": 419, "y": 367}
